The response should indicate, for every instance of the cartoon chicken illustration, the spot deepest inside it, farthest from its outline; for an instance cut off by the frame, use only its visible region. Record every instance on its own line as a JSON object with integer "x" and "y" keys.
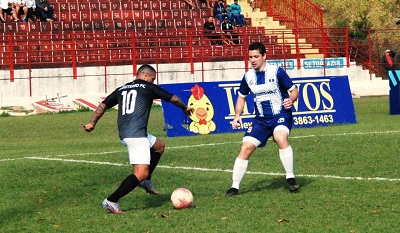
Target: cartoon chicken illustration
{"x": 203, "y": 112}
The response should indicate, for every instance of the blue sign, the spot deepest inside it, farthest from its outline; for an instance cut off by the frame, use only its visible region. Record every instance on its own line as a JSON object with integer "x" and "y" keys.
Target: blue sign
{"x": 330, "y": 63}
{"x": 322, "y": 101}
{"x": 286, "y": 64}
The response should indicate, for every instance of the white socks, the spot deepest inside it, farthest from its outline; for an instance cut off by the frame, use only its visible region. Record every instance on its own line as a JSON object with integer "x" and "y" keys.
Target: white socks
{"x": 286, "y": 156}
{"x": 239, "y": 169}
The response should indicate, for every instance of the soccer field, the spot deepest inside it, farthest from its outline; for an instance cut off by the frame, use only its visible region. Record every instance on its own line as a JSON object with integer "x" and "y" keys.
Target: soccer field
{"x": 54, "y": 176}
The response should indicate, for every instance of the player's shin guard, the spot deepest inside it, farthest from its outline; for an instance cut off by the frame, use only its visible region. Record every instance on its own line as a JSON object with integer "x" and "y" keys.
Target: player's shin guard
{"x": 126, "y": 187}
{"x": 239, "y": 169}
{"x": 286, "y": 156}
{"x": 154, "y": 158}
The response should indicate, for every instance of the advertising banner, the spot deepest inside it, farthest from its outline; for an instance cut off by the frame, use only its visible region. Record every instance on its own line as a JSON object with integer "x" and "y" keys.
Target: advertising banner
{"x": 394, "y": 92}
{"x": 322, "y": 101}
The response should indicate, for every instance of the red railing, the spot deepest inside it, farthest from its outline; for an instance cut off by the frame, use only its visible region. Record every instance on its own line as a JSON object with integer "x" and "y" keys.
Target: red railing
{"x": 126, "y": 47}
{"x": 293, "y": 13}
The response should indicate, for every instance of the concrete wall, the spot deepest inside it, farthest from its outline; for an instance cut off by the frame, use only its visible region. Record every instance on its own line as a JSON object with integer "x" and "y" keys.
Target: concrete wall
{"x": 95, "y": 82}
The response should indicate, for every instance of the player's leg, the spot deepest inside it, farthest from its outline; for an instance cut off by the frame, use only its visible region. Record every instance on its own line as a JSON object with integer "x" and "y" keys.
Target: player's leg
{"x": 281, "y": 137}
{"x": 157, "y": 149}
{"x": 139, "y": 157}
{"x": 256, "y": 136}
{"x": 240, "y": 166}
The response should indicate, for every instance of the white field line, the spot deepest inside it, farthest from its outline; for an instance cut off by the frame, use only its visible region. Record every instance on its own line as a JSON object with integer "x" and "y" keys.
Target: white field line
{"x": 219, "y": 170}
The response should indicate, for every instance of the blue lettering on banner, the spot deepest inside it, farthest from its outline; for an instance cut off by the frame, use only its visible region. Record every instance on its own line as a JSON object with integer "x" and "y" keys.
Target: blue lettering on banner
{"x": 330, "y": 63}
{"x": 322, "y": 101}
{"x": 290, "y": 64}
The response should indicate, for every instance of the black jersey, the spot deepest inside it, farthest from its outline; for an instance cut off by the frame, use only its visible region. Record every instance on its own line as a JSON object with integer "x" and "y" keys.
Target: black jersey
{"x": 134, "y": 101}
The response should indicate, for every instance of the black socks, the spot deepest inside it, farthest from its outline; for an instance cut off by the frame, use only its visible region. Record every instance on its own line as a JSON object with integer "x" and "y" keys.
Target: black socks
{"x": 126, "y": 187}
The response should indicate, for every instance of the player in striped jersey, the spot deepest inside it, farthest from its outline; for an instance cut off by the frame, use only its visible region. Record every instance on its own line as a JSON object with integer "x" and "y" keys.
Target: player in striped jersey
{"x": 274, "y": 95}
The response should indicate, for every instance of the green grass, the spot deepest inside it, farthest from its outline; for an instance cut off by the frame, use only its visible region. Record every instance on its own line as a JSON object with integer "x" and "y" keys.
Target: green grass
{"x": 63, "y": 193}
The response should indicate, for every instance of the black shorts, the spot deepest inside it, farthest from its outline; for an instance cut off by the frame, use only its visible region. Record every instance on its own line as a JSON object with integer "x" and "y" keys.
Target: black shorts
{"x": 8, "y": 11}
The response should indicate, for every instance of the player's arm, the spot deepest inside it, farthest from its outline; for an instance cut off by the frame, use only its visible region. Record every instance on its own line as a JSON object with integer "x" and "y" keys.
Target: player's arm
{"x": 97, "y": 114}
{"x": 179, "y": 103}
{"x": 240, "y": 102}
{"x": 237, "y": 120}
{"x": 109, "y": 102}
{"x": 294, "y": 94}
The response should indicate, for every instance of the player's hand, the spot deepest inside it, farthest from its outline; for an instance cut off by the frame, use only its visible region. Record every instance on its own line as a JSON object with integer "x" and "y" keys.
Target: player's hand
{"x": 88, "y": 127}
{"x": 236, "y": 123}
{"x": 189, "y": 111}
{"x": 287, "y": 103}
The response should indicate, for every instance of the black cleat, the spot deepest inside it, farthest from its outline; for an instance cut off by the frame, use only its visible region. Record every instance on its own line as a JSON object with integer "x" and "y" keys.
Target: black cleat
{"x": 232, "y": 192}
{"x": 293, "y": 186}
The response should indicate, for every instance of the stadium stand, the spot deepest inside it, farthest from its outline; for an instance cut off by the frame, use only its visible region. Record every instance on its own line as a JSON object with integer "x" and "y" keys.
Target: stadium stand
{"x": 116, "y": 32}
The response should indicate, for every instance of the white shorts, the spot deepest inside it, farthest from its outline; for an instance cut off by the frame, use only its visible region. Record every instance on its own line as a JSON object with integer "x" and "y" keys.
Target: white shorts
{"x": 138, "y": 150}
{"x": 152, "y": 139}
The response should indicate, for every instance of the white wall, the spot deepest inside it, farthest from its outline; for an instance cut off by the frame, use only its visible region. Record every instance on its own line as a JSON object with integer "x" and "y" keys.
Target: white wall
{"x": 95, "y": 82}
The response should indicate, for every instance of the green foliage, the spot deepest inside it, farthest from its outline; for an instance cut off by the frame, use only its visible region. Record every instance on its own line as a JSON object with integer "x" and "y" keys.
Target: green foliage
{"x": 362, "y": 14}
{"x": 54, "y": 176}
{"x": 4, "y": 114}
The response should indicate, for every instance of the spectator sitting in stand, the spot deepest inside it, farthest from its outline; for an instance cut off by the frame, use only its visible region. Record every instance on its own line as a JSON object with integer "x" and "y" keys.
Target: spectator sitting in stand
{"x": 229, "y": 14}
{"x": 227, "y": 29}
{"x": 21, "y": 9}
{"x": 44, "y": 10}
{"x": 209, "y": 31}
{"x": 236, "y": 9}
{"x": 219, "y": 11}
{"x": 7, "y": 9}
{"x": 31, "y": 15}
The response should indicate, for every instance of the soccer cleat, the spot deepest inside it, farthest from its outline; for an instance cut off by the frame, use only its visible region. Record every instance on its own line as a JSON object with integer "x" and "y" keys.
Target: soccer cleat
{"x": 148, "y": 186}
{"x": 293, "y": 186}
{"x": 111, "y": 206}
{"x": 232, "y": 192}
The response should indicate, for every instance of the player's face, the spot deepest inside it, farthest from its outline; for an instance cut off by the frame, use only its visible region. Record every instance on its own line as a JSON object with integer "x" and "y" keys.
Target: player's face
{"x": 257, "y": 60}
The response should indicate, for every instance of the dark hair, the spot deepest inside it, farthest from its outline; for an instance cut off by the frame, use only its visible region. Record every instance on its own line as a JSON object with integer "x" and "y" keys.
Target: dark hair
{"x": 146, "y": 68}
{"x": 258, "y": 46}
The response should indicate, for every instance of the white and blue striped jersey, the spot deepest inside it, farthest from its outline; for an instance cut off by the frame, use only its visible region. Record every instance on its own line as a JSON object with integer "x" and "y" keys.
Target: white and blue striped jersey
{"x": 270, "y": 87}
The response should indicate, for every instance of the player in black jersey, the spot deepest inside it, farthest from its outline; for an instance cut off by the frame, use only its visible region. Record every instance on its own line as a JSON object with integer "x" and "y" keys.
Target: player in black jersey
{"x": 134, "y": 100}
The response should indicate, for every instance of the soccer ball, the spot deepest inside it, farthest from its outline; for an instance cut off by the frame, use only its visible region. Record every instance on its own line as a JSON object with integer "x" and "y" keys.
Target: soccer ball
{"x": 181, "y": 198}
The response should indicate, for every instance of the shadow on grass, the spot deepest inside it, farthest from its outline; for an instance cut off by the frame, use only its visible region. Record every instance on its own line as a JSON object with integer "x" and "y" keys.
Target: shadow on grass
{"x": 276, "y": 183}
{"x": 151, "y": 201}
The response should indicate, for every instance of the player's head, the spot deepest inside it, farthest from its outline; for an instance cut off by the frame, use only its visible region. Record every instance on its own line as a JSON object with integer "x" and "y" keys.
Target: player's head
{"x": 257, "y": 56}
{"x": 147, "y": 73}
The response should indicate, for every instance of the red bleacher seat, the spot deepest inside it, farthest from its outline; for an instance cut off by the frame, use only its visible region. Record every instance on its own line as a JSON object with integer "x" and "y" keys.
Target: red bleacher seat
{"x": 94, "y": 15}
{"x": 94, "y": 6}
{"x": 46, "y": 52}
{"x": 72, "y": 6}
{"x": 84, "y": 6}
{"x": 126, "y": 6}
{"x": 156, "y": 5}
{"x": 148, "y": 14}
{"x": 145, "y": 5}
{"x": 105, "y": 6}
{"x": 107, "y": 15}
{"x": 164, "y": 52}
{"x": 65, "y": 16}
{"x": 22, "y": 27}
{"x": 136, "y": 5}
